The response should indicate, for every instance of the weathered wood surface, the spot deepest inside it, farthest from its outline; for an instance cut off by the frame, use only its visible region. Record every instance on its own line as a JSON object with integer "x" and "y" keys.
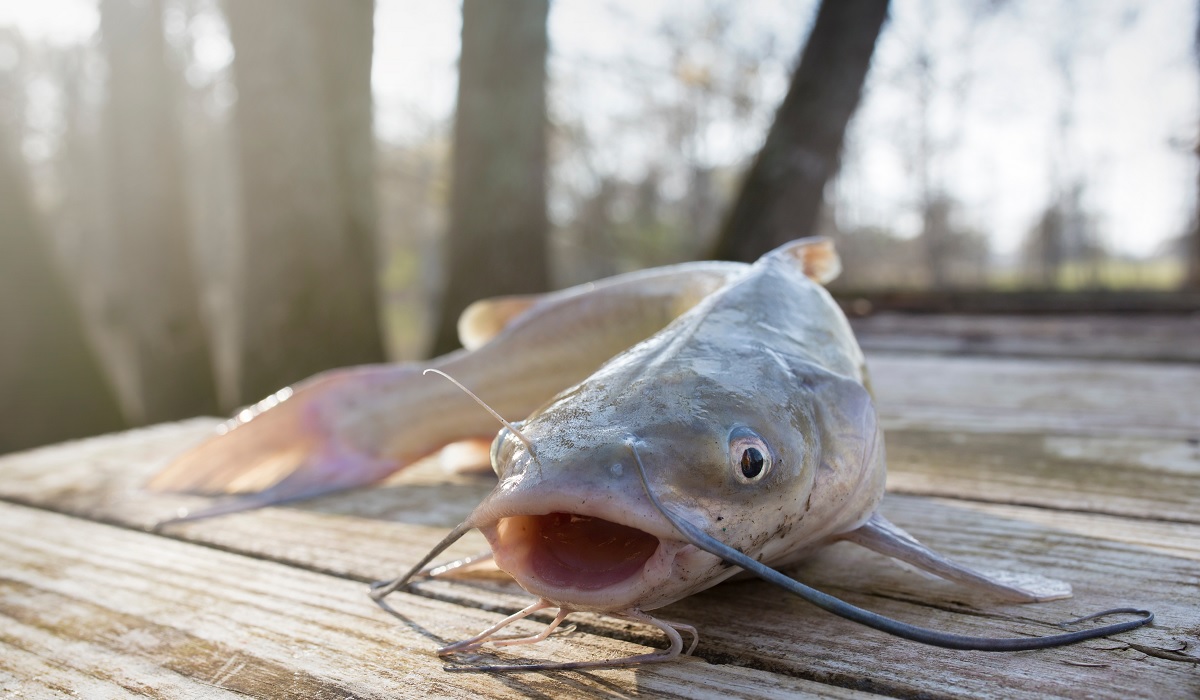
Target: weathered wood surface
{"x": 1028, "y": 302}
{"x": 1084, "y": 471}
{"x": 135, "y": 614}
{"x": 1156, "y": 337}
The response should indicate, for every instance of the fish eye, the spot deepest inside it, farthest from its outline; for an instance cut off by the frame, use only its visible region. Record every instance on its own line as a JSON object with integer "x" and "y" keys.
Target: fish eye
{"x": 749, "y": 456}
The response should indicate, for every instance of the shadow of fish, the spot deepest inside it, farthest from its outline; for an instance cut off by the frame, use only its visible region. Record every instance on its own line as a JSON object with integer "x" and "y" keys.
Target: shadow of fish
{"x": 683, "y": 425}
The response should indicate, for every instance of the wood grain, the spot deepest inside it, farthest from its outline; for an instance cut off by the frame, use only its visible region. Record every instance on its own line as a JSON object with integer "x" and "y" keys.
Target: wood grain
{"x": 1084, "y": 397}
{"x": 101, "y": 611}
{"x": 1085, "y": 471}
{"x": 1140, "y": 337}
{"x": 1145, "y": 477}
{"x": 1112, "y": 561}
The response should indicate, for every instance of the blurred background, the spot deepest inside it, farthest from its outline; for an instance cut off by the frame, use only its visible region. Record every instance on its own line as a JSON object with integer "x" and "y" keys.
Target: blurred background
{"x": 201, "y": 202}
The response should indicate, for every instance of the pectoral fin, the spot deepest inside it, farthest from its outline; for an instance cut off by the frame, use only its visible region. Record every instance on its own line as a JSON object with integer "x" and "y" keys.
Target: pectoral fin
{"x": 880, "y": 535}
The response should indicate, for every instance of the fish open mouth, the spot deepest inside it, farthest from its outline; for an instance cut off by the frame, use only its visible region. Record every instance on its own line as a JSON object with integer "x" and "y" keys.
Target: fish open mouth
{"x": 571, "y": 551}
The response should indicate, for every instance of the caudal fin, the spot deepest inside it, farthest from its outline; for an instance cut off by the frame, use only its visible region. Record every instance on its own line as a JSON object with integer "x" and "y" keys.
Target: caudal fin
{"x": 302, "y": 442}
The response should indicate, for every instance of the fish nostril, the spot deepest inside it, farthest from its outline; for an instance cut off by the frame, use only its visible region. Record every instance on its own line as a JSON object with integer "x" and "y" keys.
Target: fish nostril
{"x": 617, "y": 469}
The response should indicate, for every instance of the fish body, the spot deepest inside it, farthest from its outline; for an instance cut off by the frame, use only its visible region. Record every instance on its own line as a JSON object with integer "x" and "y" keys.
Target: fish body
{"x": 681, "y": 425}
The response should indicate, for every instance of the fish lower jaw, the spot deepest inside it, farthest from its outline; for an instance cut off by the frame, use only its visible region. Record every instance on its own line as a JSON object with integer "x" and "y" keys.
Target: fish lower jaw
{"x": 586, "y": 563}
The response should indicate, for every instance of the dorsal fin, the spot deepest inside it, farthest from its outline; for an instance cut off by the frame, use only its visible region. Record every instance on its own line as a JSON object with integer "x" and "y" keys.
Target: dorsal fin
{"x": 816, "y": 256}
{"x": 484, "y": 319}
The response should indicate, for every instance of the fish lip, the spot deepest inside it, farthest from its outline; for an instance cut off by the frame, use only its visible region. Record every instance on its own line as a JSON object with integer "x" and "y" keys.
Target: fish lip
{"x": 645, "y": 588}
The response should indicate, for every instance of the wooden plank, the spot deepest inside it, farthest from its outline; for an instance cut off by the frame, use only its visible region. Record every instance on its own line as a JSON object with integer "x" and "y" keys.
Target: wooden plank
{"x": 1112, "y": 561}
{"x": 1099, "y": 569}
{"x": 1147, "y": 477}
{"x": 37, "y": 663}
{"x": 213, "y": 606}
{"x": 1146, "y": 337}
{"x": 100, "y": 611}
{"x": 367, "y": 535}
{"x": 1083, "y": 397}
{"x": 1059, "y": 303}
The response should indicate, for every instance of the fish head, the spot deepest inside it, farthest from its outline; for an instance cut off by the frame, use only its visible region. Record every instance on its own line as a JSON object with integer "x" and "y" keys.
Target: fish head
{"x": 775, "y": 462}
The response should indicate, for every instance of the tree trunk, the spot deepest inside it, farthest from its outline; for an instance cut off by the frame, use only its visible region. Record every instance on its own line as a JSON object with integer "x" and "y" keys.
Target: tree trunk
{"x": 151, "y": 289}
{"x": 781, "y": 196}
{"x": 51, "y": 386}
{"x": 307, "y": 280}
{"x": 498, "y": 223}
{"x": 1192, "y": 245}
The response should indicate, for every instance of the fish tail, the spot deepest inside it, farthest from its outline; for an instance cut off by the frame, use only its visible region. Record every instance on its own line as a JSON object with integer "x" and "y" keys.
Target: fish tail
{"x": 328, "y": 433}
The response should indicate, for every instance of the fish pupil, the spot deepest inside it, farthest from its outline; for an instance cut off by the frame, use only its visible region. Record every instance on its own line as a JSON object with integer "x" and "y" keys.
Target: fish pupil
{"x": 752, "y": 462}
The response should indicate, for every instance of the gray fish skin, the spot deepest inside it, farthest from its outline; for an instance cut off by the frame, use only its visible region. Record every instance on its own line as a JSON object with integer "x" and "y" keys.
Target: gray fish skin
{"x": 771, "y": 353}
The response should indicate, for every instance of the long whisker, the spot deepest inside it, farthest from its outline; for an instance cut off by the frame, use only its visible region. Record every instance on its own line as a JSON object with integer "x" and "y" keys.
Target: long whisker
{"x": 380, "y": 589}
{"x": 489, "y": 409}
{"x": 708, "y": 543}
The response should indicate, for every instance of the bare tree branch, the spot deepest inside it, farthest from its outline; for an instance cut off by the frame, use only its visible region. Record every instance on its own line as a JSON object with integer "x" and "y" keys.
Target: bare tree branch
{"x": 782, "y": 194}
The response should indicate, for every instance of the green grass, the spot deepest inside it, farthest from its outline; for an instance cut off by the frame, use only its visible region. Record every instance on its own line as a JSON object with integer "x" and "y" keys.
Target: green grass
{"x": 1162, "y": 275}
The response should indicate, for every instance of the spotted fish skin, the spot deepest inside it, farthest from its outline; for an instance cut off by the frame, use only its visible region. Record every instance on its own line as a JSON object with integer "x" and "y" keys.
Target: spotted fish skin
{"x": 770, "y": 353}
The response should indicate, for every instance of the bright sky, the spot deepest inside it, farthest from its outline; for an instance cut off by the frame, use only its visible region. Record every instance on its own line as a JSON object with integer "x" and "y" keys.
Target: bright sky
{"x": 58, "y": 21}
{"x": 1135, "y": 109}
{"x": 1135, "y": 114}
{"x": 997, "y": 94}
